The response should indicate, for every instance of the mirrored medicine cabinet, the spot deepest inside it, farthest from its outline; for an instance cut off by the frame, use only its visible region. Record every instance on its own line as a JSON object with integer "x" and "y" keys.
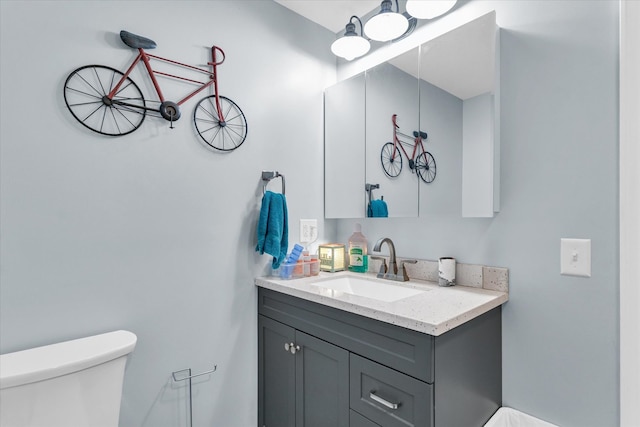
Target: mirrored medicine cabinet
{"x": 447, "y": 87}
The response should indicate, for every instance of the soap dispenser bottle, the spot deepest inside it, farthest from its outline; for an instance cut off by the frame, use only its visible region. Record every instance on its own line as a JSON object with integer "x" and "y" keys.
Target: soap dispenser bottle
{"x": 358, "y": 251}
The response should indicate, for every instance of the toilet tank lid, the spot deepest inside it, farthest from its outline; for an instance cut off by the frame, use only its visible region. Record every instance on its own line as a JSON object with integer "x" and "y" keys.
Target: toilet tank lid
{"x": 42, "y": 363}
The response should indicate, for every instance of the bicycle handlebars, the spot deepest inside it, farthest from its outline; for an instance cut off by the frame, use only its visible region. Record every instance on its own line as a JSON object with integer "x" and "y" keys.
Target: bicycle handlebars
{"x": 213, "y": 56}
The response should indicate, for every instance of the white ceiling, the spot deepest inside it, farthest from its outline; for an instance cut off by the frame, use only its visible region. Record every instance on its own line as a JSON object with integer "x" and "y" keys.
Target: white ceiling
{"x": 331, "y": 14}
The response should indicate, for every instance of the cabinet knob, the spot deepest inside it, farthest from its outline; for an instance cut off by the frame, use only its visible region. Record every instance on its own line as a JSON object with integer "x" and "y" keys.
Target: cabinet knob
{"x": 291, "y": 347}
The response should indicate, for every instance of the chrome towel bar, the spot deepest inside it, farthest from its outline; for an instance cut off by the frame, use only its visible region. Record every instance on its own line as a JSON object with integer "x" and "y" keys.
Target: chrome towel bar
{"x": 268, "y": 176}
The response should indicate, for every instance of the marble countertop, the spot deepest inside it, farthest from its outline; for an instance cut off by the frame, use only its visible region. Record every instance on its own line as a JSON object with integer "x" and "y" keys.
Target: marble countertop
{"x": 435, "y": 311}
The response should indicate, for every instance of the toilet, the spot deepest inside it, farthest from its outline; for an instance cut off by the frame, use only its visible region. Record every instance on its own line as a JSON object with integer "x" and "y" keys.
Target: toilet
{"x": 72, "y": 383}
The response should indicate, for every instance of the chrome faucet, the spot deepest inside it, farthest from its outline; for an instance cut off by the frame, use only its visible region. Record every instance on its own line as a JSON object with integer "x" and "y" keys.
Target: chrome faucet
{"x": 392, "y": 272}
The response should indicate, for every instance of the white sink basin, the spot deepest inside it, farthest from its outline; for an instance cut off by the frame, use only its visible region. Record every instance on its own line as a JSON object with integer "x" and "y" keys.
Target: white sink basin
{"x": 363, "y": 287}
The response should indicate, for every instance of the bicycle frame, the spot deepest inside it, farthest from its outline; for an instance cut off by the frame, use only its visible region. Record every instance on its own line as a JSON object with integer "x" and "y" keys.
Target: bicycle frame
{"x": 146, "y": 57}
{"x": 417, "y": 141}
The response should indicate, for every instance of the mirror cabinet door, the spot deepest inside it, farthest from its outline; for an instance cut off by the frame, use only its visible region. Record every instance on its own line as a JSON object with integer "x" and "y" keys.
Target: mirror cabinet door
{"x": 393, "y": 89}
{"x": 459, "y": 81}
{"x": 344, "y": 139}
{"x": 441, "y": 116}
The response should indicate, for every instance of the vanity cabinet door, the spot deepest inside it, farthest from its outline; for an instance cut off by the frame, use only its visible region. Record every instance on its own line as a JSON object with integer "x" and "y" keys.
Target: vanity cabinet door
{"x": 322, "y": 383}
{"x": 302, "y": 381}
{"x": 276, "y": 375}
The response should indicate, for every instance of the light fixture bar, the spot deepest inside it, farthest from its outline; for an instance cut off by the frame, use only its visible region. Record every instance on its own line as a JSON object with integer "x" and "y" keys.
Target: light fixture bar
{"x": 429, "y": 9}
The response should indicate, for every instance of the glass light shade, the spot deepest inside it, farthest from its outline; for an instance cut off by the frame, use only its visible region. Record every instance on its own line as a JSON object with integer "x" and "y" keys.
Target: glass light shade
{"x": 386, "y": 26}
{"x": 350, "y": 47}
{"x": 428, "y": 9}
{"x": 331, "y": 257}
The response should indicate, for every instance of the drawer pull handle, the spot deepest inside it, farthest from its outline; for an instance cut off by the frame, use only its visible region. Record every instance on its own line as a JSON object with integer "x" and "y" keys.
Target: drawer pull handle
{"x": 382, "y": 401}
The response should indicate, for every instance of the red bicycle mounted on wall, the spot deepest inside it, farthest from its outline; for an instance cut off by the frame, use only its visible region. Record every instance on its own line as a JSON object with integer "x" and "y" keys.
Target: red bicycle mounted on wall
{"x": 108, "y": 102}
{"x": 421, "y": 160}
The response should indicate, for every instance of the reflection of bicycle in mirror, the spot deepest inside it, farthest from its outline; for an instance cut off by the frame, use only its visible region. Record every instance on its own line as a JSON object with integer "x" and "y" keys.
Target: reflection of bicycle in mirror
{"x": 421, "y": 161}
{"x": 107, "y": 101}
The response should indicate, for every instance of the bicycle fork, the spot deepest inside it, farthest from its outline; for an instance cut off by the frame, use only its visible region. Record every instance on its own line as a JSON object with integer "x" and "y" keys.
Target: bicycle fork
{"x": 214, "y": 77}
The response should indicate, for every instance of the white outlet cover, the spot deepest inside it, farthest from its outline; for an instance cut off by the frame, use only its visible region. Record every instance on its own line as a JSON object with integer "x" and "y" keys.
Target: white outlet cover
{"x": 308, "y": 230}
{"x": 575, "y": 257}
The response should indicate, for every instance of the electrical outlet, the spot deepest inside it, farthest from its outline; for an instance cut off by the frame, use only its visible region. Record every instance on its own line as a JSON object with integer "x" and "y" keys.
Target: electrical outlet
{"x": 575, "y": 257}
{"x": 308, "y": 230}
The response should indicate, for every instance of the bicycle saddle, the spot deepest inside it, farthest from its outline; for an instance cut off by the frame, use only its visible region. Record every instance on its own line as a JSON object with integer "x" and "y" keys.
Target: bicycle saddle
{"x": 423, "y": 135}
{"x": 136, "y": 41}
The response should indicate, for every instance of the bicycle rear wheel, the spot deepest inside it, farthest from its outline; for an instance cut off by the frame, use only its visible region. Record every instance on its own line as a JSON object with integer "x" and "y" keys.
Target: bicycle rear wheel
{"x": 392, "y": 165}
{"x": 224, "y": 135}
{"x": 426, "y": 167}
{"x": 85, "y": 93}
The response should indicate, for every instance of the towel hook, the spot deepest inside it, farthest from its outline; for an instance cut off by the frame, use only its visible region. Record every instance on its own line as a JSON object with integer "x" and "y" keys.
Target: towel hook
{"x": 369, "y": 189}
{"x": 268, "y": 176}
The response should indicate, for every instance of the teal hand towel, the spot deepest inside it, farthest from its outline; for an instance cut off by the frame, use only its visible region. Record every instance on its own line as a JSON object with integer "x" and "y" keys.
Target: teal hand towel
{"x": 377, "y": 209}
{"x": 272, "y": 231}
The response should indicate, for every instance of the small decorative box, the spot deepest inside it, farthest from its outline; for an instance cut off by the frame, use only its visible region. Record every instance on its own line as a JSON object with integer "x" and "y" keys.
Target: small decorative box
{"x": 332, "y": 257}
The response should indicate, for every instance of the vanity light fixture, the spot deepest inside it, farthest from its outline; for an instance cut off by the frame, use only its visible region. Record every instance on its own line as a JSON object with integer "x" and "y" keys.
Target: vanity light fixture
{"x": 387, "y": 24}
{"x": 429, "y": 9}
{"x": 351, "y": 45}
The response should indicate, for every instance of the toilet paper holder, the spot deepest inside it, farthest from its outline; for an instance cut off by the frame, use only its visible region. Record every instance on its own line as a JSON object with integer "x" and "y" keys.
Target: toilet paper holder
{"x": 188, "y": 376}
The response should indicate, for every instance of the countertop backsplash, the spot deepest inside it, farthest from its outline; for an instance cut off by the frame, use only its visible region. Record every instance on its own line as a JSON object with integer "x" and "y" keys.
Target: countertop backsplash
{"x": 471, "y": 275}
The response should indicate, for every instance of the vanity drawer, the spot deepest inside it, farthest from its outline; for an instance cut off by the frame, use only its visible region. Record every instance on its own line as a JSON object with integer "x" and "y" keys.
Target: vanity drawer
{"x": 387, "y": 397}
{"x": 357, "y": 420}
{"x": 402, "y": 349}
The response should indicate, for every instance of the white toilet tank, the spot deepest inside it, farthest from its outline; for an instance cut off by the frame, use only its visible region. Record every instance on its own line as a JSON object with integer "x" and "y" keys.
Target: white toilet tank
{"x": 75, "y": 383}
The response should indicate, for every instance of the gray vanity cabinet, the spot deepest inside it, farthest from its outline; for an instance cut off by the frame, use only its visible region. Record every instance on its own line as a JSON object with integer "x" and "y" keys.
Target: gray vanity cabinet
{"x": 355, "y": 371}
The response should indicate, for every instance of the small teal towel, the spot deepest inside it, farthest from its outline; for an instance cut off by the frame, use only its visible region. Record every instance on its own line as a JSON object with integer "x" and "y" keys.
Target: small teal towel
{"x": 377, "y": 209}
{"x": 273, "y": 234}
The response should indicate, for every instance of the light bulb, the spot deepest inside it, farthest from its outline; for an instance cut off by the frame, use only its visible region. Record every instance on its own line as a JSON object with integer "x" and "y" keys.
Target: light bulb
{"x": 350, "y": 47}
{"x": 386, "y": 26}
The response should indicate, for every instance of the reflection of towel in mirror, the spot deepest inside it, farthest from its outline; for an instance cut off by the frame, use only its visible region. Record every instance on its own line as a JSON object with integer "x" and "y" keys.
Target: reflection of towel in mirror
{"x": 377, "y": 209}
{"x": 273, "y": 234}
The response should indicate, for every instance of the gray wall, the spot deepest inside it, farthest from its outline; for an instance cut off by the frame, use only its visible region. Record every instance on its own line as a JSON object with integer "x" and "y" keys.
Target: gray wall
{"x": 152, "y": 232}
{"x": 559, "y": 64}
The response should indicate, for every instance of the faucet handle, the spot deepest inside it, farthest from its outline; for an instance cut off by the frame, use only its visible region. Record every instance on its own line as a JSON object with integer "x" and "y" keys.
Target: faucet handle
{"x": 405, "y": 276}
{"x": 383, "y": 266}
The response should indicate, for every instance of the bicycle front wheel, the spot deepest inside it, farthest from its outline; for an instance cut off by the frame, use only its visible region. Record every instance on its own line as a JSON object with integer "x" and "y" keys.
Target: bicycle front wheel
{"x": 224, "y": 132}
{"x": 426, "y": 167}
{"x": 391, "y": 160}
{"x": 85, "y": 93}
